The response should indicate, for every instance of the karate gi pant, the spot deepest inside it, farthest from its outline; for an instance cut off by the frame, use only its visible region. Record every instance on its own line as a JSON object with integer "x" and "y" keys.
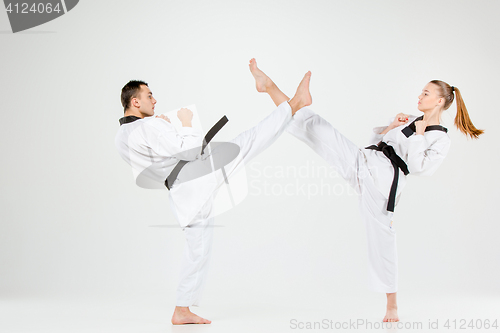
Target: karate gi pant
{"x": 199, "y": 232}
{"x": 350, "y": 163}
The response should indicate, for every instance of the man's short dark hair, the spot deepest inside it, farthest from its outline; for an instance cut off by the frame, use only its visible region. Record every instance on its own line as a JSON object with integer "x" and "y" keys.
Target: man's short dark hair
{"x": 131, "y": 90}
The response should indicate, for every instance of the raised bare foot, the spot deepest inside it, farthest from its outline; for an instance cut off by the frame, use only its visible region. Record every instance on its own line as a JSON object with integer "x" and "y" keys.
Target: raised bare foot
{"x": 391, "y": 315}
{"x": 302, "y": 97}
{"x": 262, "y": 81}
{"x": 182, "y": 315}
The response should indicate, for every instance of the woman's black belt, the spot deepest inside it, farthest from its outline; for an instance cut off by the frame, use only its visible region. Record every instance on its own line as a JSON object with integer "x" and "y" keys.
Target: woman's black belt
{"x": 210, "y": 134}
{"x": 397, "y": 163}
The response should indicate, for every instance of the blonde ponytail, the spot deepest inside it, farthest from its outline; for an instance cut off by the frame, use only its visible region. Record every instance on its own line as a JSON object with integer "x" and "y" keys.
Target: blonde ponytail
{"x": 462, "y": 119}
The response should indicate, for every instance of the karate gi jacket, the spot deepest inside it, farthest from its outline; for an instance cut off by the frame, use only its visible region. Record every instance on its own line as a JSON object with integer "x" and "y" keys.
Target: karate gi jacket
{"x": 423, "y": 154}
{"x": 149, "y": 145}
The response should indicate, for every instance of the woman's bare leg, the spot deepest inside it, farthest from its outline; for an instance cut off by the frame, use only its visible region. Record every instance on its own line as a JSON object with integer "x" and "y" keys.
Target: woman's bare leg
{"x": 265, "y": 84}
{"x": 392, "y": 308}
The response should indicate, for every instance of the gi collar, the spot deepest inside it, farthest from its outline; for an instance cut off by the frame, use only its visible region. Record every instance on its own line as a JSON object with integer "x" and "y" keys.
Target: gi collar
{"x": 128, "y": 119}
{"x": 410, "y": 129}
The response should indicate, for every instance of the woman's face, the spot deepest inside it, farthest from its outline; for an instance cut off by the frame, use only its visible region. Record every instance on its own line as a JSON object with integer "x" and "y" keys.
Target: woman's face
{"x": 429, "y": 99}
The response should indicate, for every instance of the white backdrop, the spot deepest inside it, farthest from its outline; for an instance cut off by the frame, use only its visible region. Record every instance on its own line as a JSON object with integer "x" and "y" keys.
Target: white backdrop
{"x": 74, "y": 224}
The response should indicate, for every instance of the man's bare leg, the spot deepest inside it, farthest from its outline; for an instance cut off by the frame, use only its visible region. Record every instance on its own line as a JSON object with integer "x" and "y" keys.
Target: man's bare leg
{"x": 263, "y": 83}
{"x": 182, "y": 315}
{"x": 392, "y": 308}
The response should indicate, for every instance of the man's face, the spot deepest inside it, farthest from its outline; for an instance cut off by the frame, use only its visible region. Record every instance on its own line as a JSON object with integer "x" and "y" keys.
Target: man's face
{"x": 146, "y": 102}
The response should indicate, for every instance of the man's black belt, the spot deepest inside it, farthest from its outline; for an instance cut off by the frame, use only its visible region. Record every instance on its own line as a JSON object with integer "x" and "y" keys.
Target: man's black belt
{"x": 397, "y": 163}
{"x": 208, "y": 137}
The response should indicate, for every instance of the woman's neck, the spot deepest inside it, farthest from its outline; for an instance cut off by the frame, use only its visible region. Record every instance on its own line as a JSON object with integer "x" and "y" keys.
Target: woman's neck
{"x": 432, "y": 117}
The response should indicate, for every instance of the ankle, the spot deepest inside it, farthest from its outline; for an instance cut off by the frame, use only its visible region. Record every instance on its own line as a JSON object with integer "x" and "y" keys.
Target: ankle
{"x": 270, "y": 86}
{"x": 294, "y": 105}
{"x": 182, "y": 309}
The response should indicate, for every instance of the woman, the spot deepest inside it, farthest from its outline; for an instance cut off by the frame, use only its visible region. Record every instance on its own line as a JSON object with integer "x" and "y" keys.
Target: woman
{"x": 378, "y": 172}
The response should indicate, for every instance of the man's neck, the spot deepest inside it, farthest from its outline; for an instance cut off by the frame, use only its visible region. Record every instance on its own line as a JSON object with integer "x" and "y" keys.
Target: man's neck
{"x": 131, "y": 112}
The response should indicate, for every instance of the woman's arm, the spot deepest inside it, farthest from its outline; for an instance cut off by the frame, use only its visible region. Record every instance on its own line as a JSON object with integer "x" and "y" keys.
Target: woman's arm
{"x": 399, "y": 120}
{"x": 379, "y": 132}
{"x": 424, "y": 155}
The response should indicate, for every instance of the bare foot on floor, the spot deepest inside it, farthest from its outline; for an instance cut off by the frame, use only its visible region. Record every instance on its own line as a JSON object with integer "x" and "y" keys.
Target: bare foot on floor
{"x": 262, "y": 81}
{"x": 391, "y": 315}
{"x": 302, "y": 97}
{"x": 182, "y": 315}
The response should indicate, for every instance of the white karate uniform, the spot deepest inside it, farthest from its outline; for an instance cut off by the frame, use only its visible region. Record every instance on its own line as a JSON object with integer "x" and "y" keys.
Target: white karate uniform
{"x": 371, "y": 174}
{"x": 151, "y": 144}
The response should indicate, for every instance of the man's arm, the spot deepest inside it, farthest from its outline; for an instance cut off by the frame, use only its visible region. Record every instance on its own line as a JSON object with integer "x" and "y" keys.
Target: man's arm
{"x": 180, "y": 144}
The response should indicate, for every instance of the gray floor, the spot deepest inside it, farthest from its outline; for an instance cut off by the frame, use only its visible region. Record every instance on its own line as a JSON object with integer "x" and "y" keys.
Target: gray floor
{"x": 150, "y": 315}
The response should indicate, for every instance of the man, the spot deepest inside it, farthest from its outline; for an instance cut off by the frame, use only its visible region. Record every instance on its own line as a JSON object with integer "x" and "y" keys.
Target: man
{"x": 155, "y": 146}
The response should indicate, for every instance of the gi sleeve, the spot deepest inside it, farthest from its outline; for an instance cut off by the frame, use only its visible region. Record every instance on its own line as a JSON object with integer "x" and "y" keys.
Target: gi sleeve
{"x": 376, "y": 137}
{"x": 424, "y": 155}
{"x": 183, "y": 144}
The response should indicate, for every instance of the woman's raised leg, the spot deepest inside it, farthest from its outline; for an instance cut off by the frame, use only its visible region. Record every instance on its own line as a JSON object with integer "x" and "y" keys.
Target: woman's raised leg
{"x": 313, "y": 130}
{"x": 344, "y": 156}
{"x": 264, "y": 83}
{"x": 255, "y": 140}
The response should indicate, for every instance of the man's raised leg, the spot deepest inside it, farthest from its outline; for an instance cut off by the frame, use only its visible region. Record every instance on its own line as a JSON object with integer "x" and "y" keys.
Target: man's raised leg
{"x": 310, "y": 128}
{"x": 251, "y": 143}
{"x": 258, "y": 138}
{"x": 264, "y": 84}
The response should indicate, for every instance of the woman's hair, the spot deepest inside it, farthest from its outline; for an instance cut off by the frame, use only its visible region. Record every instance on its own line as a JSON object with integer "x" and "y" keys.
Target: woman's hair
{"x": 462, "y": 119}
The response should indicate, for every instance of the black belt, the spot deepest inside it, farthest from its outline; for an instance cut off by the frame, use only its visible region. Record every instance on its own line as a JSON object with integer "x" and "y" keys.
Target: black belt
{"x": 208, "y": 137}
{"x": 397, "y": 163}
